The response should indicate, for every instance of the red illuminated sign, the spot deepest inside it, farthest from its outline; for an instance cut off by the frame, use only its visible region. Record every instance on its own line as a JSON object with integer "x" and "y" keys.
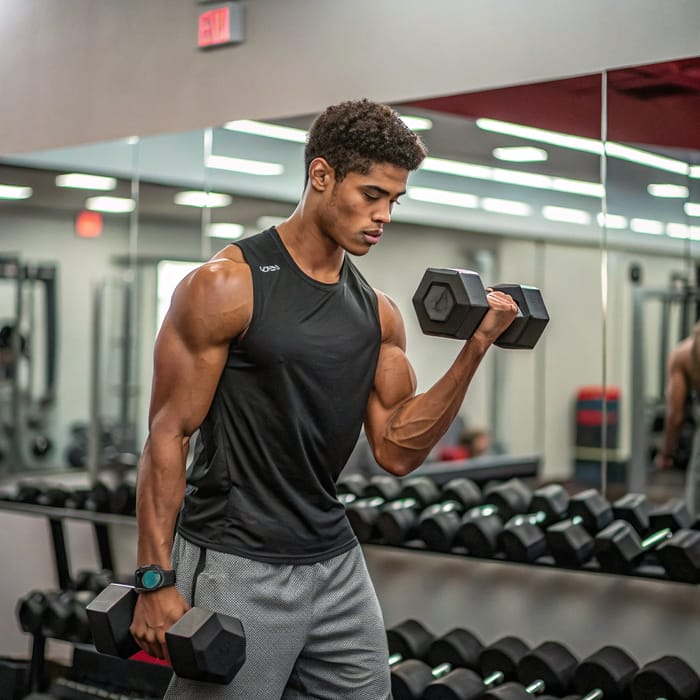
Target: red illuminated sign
{"x": 214, "y": 27}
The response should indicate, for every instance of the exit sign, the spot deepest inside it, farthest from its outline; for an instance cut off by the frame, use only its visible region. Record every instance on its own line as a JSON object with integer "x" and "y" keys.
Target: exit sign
{"x": 220, "y": 26}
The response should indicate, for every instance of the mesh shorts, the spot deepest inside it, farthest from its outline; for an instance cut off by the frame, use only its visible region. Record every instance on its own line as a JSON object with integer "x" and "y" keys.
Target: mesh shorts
{"x": 313, "y": 631}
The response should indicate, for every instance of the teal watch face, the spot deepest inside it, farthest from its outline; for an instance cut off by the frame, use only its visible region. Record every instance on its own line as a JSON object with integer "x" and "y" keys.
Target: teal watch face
{"x": 151, "y": 579}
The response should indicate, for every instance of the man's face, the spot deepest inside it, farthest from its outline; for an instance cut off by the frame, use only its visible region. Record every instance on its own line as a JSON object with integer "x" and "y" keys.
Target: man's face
{"x": 355, "y": 210}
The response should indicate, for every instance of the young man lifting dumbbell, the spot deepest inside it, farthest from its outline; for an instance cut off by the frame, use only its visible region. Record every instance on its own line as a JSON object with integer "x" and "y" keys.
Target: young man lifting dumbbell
{"x": 276, "y": 351}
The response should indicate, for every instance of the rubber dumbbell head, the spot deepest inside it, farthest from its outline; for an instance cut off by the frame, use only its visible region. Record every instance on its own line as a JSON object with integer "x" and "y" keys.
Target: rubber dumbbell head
{"x": 526, "y": 329}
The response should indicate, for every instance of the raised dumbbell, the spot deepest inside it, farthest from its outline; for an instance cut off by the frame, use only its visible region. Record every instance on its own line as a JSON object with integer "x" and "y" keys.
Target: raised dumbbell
{"x": 364, "y": 514}
{"x": 202, "y": 645}
{"x": 451, "y": 303}
{"x": 668, "y": 677}
{"x": 497, "y": 663}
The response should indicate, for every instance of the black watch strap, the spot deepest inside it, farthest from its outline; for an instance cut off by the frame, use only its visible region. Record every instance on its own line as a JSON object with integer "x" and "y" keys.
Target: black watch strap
{"x": 152, "y": 578}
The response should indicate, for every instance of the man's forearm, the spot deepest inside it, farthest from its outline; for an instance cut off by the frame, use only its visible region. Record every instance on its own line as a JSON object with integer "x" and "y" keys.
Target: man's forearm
{"x": 420, "y": 422}
{"x": 160, "y": 489}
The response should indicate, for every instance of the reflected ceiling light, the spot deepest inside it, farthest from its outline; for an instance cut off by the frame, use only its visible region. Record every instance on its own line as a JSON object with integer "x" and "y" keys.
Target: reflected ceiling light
{"x": 242, "y": 165}
{"x": 15, "y": 192}
{"x": 266, "y": 222}
{"x": 210, "y": 200}
{"x": 110, "y": 205}
{"x": 694, "y": 171}
{"x": 585, "y": 145}
{"x": 417, "y": 123}
{"x": 569, "y": 216}
{"x": 676, "y": 230}
{"x": 83, "y": 181}
{"x": 650, "y": 226}
{"x": 512, "y": 177}
{"x": 225, "y": 230}
{"x": 611, "y": 220}
{"x": 272, "y": 131}
{"x": 506, "y": 206}
{"x": 667, "y": 190}
{"x": 435, "y": 196}
{"x": 692, "y": 209}
{"x": 520, "y": 154}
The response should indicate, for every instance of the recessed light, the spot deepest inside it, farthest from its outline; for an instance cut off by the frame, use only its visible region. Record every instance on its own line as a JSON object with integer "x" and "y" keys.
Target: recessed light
{"x": 417, "y": 123}
{"x": 520, "y": 154}
{"x": 225, "y": 230}
{"x": 506, "y": 206}
{"x": 436, "y": 196}
{"x": 110, "y": 205}
{"x": 243, "y": 165}
{"x": 692, "y": 208}
{"x": 272, "y": 131}
{"x": 210, "y": 200}
{"x": 265, "y": 222}
{"x": 84, "y": 181}
{"x": 651, "y": 226}
{"x": 566, "y": 215}
{"x": 15, "y": 192}
{"x": 612, "y": 220}
{"x": 667, "y": 190}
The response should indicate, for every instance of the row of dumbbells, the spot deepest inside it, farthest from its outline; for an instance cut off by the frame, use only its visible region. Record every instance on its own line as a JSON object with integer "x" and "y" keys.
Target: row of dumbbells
{"x": 61, "y": 614}
{"x": 507, "y": 520}
{"x": 99, "y": 498}
{"x": 458, "y": 666}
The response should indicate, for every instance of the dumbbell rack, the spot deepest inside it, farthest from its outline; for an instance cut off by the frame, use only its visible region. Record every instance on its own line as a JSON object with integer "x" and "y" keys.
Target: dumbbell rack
{"x": 56, "y": 517}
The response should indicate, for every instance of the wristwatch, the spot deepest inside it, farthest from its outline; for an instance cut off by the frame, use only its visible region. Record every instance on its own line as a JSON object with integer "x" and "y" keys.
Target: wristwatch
{"x": 152, "y": 577}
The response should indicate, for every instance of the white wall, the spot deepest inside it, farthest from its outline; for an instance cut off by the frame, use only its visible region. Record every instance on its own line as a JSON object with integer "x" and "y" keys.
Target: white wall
{"x": 82, "y": 71}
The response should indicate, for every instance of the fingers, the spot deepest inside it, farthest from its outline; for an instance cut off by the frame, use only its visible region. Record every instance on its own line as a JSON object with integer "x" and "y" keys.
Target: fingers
{"x": 152, "y": 641}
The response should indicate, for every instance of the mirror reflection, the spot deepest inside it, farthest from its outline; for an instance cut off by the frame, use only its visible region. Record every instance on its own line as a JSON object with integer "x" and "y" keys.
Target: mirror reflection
{"x": 511, "y": 189}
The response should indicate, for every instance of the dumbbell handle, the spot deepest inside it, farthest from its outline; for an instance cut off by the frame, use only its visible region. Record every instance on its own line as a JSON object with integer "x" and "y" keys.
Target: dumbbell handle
{"x": 655, "y": 538}
{"x": 438, "y": 672}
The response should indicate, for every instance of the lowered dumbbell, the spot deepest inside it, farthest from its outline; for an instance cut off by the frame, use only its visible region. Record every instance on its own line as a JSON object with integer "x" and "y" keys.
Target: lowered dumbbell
{"x": 378, "y": 486}
{"x": 497, "y": 663}
{"x": 202, "y": 645}
{"x": 604, "y": 675}
{"x": 680, "y": 556}
{"x": 364, "y": 514}
{"x": 409, "y": 639}
{"x": 668, "y": 677}
{"x": 451, "y": 303}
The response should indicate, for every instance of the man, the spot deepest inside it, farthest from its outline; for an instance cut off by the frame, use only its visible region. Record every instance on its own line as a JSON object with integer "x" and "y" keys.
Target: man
{"x": 277, "y": 350}
{"x": 682, "y": 381}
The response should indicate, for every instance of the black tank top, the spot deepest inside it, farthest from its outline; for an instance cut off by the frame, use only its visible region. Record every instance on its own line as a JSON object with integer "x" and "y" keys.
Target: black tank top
{"x": 285, "y": 416}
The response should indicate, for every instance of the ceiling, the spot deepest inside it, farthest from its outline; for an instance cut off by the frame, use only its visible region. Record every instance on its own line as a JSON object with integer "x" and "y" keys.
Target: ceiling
{"x": 656, "y": 107}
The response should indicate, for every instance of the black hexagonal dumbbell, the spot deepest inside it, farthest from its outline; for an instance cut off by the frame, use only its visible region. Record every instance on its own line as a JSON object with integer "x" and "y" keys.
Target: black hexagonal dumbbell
{"x": 604, "y": 675}
{"x": 451, "y": 303}
{"x": 668, "y": 677}
{"x": 395, "y": 513}
{"x": 496, "y": 664}
{"x": 203, "y": 645}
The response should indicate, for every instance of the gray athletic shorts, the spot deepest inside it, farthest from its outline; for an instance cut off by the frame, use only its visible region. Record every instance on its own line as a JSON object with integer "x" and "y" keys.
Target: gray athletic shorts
{"x": 312, "y": 631}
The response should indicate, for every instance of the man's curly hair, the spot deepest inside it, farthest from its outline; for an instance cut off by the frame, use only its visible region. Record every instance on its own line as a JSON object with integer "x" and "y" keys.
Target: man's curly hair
{"x": 354, "y": 135}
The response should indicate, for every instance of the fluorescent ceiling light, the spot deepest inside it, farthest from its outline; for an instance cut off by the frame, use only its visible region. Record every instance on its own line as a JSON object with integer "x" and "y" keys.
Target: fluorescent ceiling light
{"x": 667, "y": 190}
{"x": 520, "y": 154}
{"x": 225, "y": 230}
{"x": 586, "y": 145}
{"x": 454, "y": 199}
{"x": 265, "y": 222}
{"x": 611, "y": 220}
{"x": 651, "y": 226}
{"x": 569, "y": 216}
{"x": 417, "y": 123}
{"x": 209, "y": 200}
{"x": 82, "y": 181}
{"x": 506, "y": 206}
{"x": 241, "y": 165}
{"x": 694, "y": 171}
{"x": 513, "y": 177}
{"x": 272, "y": 131}
{"x": 110, "y": 205}
{"x": 692, "y": 209}
{"x": 676, "y": 230}
{"x": 15, "y": 192}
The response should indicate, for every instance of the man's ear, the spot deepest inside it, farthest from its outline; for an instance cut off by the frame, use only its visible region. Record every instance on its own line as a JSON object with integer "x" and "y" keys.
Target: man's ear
{"x": 320, "y": 174}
